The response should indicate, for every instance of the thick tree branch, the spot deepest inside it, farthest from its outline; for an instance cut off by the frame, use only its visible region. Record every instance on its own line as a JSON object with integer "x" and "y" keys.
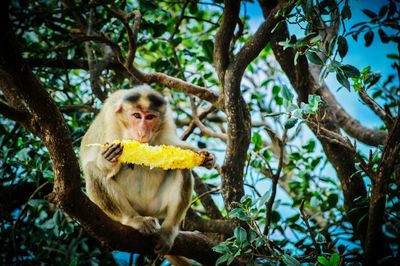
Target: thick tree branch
{"x": 252, "y": 48}
{"x": 224, "y": 36}
{"x": 57, "y": 63}
{"x": 352, "y": 126}
{"x": 376, "y": 213}
{"x": 238, "y": 116}
{"x": 194, "y": 222}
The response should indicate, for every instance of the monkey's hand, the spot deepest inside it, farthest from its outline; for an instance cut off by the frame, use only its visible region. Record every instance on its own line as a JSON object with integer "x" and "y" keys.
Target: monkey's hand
{"x": 165, "y": 239}
{"x": 209, "y": 161}
{"x": 144, "y": 224}
{"x": 112, "y": 152}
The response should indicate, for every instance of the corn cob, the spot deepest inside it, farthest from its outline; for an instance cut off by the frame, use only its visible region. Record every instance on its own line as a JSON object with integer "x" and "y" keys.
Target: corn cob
{"x": 163, "y": 156}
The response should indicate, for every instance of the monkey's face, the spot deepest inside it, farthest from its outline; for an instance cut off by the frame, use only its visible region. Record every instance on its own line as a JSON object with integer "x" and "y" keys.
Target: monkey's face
{"x": 141, "y": 125}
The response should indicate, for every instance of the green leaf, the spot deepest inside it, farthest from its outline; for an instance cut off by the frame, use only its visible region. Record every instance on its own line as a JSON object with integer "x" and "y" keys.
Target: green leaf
{"x": 382, "y": 12}
{"x": 266, "y": 154}
{"x": 324, "y": 261}
{"x": 58, "y": 217}
{"x": 74, "y": 261}
{"x": 369, "y": 13}
{"x": 335, "y": 260}
{"x": 314, "y": 58}
{"x": 36, "y": 202}
{"x": 252, "y": 235}
{"x": 342, "y": 79}
{"x": 275, "y": 90}
{"x": 350, "y": 71}
{"x": 286, "y": 93}
{"x": 274, "y": 114}
{"x": 208, "y": 49}
{"x": 264, "y": 198}
{"x": 278, "y": 100}
{"x": 291, "y": 122}
{"x": 310, "y": 146}
{"x": 257, "y": 141}
{"x": 240, "y": 234}
{"x": 221, "y": 248}
{"x": 333, "y": 199}
{"x": 368, "y": 37}
{"x": 49, "y": 224}
{"x": 346, "y": 12}
{"x": 342, "y": 46}
{"x": 384, "y": 37}
{"x": 222, "y": 259}
{"x": 289, "y": 260}
{"x": 240, "y": 214}
{"x": 259, "y": 242}
{"x": 176, "y": 41}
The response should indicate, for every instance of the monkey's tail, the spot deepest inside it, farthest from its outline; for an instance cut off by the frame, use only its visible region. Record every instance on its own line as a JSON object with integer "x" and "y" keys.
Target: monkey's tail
{"x": 181, "y": 261}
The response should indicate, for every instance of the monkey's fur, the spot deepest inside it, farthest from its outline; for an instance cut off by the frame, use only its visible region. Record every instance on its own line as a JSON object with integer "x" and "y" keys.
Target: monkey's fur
{"x": 136, "y": 195}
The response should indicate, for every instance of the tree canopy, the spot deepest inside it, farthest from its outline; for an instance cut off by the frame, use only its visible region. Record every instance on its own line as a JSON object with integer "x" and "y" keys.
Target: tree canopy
{"x": 298, "y": 180}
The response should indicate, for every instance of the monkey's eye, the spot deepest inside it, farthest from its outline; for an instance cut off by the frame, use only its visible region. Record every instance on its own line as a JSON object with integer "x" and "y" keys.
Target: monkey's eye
{"x": 150, "y": 117}
{"x": 137, "y": 115}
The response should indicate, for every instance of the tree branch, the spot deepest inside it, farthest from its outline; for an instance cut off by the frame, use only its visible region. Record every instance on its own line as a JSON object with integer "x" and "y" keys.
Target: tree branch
{"x": 352, "y": 126}
{"x": 374, "y": 106}
{"x": 374, "y": 250}
{"x": 252, "y": 48}
{"x": 12, "y": 113}
{"x": 224, "y": 36}
{"x": 132, "y": 34}
{"x": 171, "y": 82}
{"x": 192, "y": 124}
{"x": 195, "y": 222}
{"x": 207, "y": 201}
{"x": 205, "y": 130}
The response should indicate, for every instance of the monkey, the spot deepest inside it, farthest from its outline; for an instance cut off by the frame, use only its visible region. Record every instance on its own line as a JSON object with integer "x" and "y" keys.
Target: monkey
{"x": 136, "y": 195}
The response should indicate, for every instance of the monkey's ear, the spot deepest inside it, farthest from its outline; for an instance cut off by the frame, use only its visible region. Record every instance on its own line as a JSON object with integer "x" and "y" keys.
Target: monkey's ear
{"x": 118, "y": 108}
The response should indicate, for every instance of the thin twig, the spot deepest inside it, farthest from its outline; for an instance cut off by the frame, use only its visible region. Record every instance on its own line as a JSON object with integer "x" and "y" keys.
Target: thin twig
{"x": 305, "y": 217}
{"x": 374, "y": 106}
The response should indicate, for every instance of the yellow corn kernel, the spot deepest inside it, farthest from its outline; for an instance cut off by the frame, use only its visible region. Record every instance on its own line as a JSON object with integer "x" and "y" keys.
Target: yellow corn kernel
{"x": 163, "y": 156}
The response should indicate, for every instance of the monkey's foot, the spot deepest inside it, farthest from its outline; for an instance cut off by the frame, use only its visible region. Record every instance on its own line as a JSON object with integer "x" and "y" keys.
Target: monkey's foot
{"x": 144, "y": 224}
{"x": 164, "y": 241}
